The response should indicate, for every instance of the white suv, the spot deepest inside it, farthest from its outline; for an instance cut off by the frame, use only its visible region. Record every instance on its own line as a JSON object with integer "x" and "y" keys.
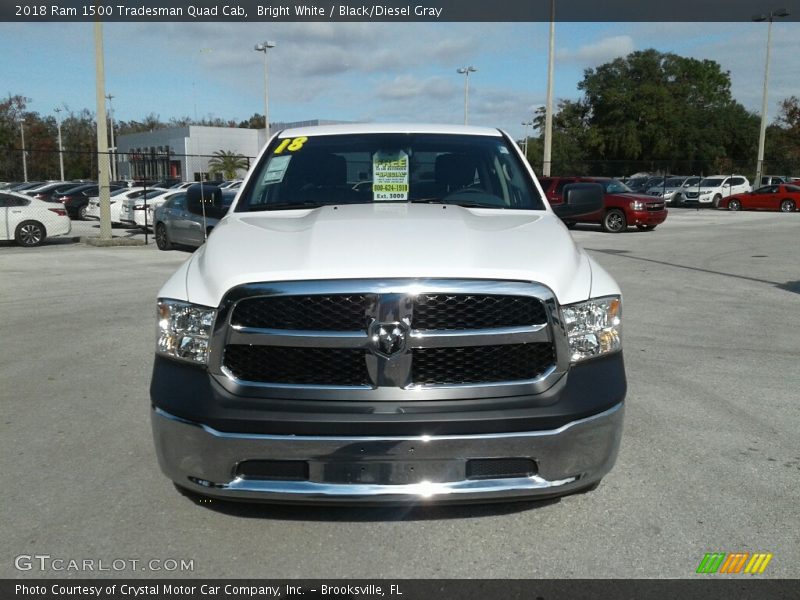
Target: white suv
{"x": 713, "y": 189}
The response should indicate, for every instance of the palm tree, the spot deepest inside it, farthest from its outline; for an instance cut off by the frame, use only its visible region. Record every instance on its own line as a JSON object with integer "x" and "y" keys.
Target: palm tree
{"x": 228, "y": 163}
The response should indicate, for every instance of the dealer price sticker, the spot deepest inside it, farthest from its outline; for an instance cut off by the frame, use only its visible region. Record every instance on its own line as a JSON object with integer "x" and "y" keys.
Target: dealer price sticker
{"x": 390, "y": 176}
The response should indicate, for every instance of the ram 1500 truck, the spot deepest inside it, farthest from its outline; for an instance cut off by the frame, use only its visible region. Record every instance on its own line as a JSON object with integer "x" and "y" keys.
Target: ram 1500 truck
{"x": 389, "y": 313}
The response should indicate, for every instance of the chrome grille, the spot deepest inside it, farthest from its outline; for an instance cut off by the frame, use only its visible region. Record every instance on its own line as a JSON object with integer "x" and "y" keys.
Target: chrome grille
{"x": 481, "y": 364}
{"x": 340, "y": 312}
{"x": 404, "y": 339}
{"x": 464, "y": 311}
{"x": 298, "y": 366}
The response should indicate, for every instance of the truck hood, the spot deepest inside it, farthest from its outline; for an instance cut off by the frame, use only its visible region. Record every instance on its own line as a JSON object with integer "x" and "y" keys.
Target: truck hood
{"x": 386, "y": 241}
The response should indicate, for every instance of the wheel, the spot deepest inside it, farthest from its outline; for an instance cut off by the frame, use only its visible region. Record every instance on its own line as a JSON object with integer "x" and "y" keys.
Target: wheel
{"x": 162, "y": 237}
{"x": 646, "y": 227}
{"x": 734, "y": 205}
{"x": 82, "y": 213}
{"x": 614, "y": 221}
{"x": 716, "y": 201}
{"x": 30, "y": 233}
{"x": 787, "y": 206}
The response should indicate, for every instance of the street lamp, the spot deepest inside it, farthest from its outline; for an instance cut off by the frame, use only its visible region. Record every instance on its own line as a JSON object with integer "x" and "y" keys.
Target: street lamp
{"x": 60, "y": 147}
{"x": 24, "y": 161}
{"x": 526, "y": 124}
{"x": 780, "y": 12}
{"x": 264, "y": 47}
{"x": 113, "y": 148}
{"x": 548, "y": 115}
{"x": 465, "y": 71}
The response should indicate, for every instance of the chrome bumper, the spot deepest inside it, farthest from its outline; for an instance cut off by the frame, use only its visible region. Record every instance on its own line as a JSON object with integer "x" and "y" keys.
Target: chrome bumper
{"x": 388, "y": 469}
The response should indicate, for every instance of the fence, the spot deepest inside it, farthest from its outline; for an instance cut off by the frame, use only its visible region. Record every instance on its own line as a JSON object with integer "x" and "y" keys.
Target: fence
{"x": 82, "y": 164}
{"x": 623, "y": 168}
{"x": 44, "y": 165}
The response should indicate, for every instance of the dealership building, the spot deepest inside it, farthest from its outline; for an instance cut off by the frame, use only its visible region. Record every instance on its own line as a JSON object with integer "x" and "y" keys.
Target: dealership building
{"x": 183, "y": 152}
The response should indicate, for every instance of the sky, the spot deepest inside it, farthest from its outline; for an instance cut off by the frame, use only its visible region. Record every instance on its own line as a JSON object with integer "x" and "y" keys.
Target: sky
{"x": 375, "y": 72}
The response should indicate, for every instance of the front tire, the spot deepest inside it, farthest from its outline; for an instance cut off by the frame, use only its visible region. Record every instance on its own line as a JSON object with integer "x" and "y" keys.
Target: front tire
{"x": 30, "y": 233}
{"x": 717, "y": 200}
{"x": 82, "y": 213}
{"x": 614, "y": 221}
{"x": 734, "y": 205}
{"x": 787, "y": 206}
{"x": 162, "y": 238}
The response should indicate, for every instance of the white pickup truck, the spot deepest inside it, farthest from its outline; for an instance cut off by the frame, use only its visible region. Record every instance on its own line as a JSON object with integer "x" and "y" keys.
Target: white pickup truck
{"x": 389, "y": 313}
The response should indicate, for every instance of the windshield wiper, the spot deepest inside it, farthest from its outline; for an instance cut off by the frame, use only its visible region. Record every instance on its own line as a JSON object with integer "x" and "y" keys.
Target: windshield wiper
{"x": 444, "y": 201}
{"x": 292, "y": 205}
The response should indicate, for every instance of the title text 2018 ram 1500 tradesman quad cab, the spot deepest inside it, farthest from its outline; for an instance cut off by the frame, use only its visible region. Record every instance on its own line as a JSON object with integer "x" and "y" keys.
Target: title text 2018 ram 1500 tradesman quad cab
{"x": 389, "y": 314}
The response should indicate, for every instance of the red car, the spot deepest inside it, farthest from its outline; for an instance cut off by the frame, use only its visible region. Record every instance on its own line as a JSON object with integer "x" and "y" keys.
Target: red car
{"x": 783, "y": 197}
{"x": 621, "y": 206}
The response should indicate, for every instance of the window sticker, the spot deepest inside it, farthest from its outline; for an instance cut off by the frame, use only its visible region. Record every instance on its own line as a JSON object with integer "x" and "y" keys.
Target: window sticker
{"x": 276, "y": 169}
{"x": 390, "y": 176}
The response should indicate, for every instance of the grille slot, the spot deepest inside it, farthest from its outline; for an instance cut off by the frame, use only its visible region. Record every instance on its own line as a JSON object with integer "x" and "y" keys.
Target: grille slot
{"x": 337, "y": 312}
{"x": 475, "y": 311}
{"x": 500, "y": 468}
{"x": 481, "y": 364}
{"x": 281, "y": 470}
{"x": 309, "y": 366}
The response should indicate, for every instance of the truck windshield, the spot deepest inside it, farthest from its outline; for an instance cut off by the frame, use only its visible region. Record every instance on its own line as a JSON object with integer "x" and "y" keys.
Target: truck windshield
{"x": 468, "y": 170}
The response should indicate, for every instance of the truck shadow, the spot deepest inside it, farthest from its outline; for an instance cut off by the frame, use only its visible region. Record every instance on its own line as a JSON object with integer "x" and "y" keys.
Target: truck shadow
{"x": 789, "y": 286}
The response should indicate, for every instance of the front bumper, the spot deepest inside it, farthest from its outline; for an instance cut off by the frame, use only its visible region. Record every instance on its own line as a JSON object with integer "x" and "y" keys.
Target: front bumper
{"x": 387, "y": 469}
{"x": 648, "y": 217}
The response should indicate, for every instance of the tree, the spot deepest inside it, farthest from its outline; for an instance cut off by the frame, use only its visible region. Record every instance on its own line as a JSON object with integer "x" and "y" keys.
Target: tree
{"x": 254, "y": 122}
{"x": 653, "y": 109}
{"x": 782, "y": 152}
{"x": 571, "y": 136}
{"x": 228, "y": 163}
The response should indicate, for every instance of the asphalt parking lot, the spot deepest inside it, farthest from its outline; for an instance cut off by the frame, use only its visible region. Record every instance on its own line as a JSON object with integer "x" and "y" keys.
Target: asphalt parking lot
{"x": 710, "y": 457}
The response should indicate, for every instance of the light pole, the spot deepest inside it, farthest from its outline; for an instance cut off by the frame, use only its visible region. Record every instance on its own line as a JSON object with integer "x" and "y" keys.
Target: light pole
{"x": 24, "y": 160}
{"x": 113, "y": 148}
{"x": 102, "y": 133}
{"x": 526, "y": 124}
{"x": 781, "y": 12}
{"x": 465, "y": 71}
{"x": 60, "y": 147}
{"x": 548, "y": 115}
{"x": 264, "y": 47}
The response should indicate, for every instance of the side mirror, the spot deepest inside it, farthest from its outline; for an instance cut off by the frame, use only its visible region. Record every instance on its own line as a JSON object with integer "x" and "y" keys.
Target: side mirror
{"x": 580, "y": 199}
{"x": 205, "y": 199}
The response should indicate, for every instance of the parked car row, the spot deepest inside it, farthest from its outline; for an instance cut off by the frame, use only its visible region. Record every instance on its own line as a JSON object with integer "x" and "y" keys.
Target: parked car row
{"x": 176, "y": 225}
{"x": 782, "y": 197}
{"x": 29, "y": 221}
{"x": 622, "y": 207}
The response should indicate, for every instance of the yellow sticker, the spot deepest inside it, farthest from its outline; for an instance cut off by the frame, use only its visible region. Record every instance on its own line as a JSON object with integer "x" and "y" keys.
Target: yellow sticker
{"x": 291, "y": 144}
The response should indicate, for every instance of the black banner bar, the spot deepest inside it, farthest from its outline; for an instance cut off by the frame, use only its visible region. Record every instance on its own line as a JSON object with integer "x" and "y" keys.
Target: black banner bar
{"x": 703, "y": 588}
{"x": 390, "y": 10}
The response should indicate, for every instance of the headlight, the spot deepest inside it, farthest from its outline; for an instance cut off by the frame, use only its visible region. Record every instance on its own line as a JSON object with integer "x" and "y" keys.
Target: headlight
{"x": 637, "y": 205}
{"x": 184, "y": 330}
{"x": 593, "y": 327}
